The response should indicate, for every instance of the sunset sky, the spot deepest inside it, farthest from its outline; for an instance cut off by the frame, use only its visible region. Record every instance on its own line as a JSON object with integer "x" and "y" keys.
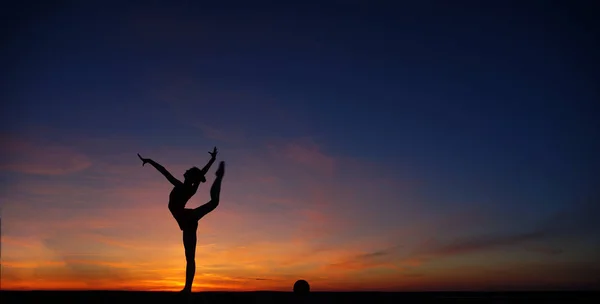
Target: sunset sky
{"x": 369, "y": 145}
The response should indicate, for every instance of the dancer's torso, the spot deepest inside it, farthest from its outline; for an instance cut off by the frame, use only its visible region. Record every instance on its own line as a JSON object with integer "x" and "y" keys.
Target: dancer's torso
{"x": 179, "y": 196}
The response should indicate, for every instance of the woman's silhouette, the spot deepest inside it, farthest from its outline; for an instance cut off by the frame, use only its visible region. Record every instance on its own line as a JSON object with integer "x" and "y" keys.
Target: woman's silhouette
{"x": 188, "y": 218}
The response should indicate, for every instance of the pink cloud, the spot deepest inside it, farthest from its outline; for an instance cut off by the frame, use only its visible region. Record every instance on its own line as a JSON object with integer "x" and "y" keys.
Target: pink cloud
{"x": 307, "y": 153}
{"x": 45, "y": 221}
{"x": 414, "y": 262}
{"x": 316, "y": 225}
{"x": 37, "y": 157}
{"x": 359, "y": 265}
{"x": 222, "y": 135}
{"x": 26, "y": 242}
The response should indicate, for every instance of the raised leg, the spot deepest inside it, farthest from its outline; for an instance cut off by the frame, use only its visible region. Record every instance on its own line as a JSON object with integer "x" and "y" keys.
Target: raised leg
{"x": 215, "y": 192}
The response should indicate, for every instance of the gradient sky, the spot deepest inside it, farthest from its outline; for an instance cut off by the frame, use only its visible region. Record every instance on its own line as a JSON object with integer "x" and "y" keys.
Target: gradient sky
{"x": 370, "y": 145}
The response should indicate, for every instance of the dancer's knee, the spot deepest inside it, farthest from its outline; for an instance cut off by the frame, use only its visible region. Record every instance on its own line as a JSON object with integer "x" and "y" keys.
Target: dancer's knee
{"x": 212, "y": 205}
{"x": 214, "y": 202}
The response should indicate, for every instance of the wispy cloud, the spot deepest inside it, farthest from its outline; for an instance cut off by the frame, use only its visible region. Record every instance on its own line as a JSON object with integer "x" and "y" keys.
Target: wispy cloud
{"x": 432, "y": 248}
{"x": 364, "y": 261}
{"x": 307, "y": 153}
{"x": 38, "y": 157}
{"x": 478, "y": 244}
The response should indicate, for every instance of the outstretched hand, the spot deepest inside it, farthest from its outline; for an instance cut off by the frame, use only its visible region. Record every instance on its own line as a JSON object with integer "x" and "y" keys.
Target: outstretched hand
{"x": 213, "y": 153}
{"x": 144, "y": 160}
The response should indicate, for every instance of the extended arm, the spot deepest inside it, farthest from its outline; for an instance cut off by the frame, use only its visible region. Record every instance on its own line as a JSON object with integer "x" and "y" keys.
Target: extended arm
{"x": 210, "y": 162}
{"x": 213, "y": 156}
{"x": 162, "y": 170}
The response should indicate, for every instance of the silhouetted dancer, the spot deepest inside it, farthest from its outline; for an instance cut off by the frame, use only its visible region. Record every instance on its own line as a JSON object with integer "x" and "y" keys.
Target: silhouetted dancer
{"x": 188, "y": 218}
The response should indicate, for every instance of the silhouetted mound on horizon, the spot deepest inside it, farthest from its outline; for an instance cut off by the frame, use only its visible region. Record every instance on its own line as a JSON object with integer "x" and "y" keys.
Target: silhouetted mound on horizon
{"x": 266, "y": 297}
{"x": 301, "y": 287}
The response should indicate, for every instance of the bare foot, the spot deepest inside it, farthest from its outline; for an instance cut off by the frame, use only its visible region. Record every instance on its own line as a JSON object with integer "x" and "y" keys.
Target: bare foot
{"x": 185, "y": 296}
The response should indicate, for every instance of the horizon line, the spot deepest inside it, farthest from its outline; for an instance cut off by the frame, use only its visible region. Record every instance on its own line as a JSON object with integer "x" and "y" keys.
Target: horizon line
{"x": 316, "y": 291}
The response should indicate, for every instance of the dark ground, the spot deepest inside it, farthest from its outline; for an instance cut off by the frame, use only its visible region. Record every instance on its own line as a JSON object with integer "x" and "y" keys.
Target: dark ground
{"x": 117, "y": 297}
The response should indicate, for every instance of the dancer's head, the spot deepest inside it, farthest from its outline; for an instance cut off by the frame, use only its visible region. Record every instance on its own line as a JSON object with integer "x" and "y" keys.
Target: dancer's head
{"x": 194, "y": 176}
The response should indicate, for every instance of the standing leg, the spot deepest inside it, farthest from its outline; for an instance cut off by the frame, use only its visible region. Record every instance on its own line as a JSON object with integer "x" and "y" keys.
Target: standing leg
{"x": 189, "y": 243}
